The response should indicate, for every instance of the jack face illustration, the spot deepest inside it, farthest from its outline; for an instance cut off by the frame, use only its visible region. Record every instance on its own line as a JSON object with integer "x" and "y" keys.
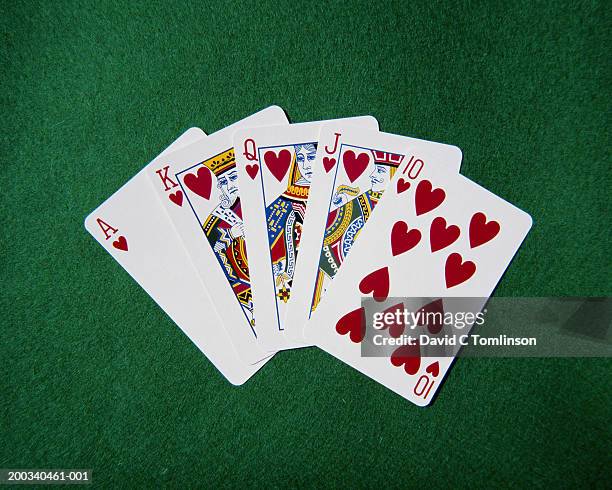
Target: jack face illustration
{"x": 380, "y": 177}
{"x": 224, "y": 230}
{"x": 349, "y": 211}
{"x": 285, "y": 216}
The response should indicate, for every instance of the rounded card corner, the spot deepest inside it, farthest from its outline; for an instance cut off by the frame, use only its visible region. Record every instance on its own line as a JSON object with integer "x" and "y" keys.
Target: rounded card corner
{"x": 459, "y": 152}
{"x": 372, "y": 118}
{"x": 279, "y": 109}
{"x": 87, "y": 220}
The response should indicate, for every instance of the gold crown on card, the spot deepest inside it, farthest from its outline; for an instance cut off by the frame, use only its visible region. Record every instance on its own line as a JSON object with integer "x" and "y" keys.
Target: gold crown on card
{"x": 221, "y": 163}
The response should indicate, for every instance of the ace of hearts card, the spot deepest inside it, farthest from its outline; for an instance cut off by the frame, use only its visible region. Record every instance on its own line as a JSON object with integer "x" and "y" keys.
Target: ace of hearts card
{"x": 127, "y": 225}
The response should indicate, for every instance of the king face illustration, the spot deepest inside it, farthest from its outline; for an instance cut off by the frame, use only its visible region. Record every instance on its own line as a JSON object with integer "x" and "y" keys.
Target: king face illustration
{"x": 350, "y": 210}
{"x": 285, "y": 216}
{"x": 224, "y": 230}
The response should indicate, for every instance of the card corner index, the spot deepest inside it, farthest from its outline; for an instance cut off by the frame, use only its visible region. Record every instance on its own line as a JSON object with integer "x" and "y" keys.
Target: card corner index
{"x": 240, "y": 140}
{"x": 95, "y": 221}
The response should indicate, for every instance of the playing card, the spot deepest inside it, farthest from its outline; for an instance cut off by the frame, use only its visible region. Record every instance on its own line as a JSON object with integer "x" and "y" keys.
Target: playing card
{"x": 352, "y": 171}
{"x": 275, "y": 167}
{"x": 199, "y": 191}
{"x": 128, "y": 225}
{"x": 436, "y": 237}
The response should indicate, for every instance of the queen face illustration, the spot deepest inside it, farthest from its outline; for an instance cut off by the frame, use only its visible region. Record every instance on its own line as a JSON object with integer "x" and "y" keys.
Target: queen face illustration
{"x": 228, "y": 185}
{"x": 380, "y": 177}
{"x": 305, "y": 156}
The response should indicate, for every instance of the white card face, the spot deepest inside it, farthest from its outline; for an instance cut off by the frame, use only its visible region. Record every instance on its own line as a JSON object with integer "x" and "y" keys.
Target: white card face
{"x": 436, "y": 235}
{"x": 353, "y": 170}
{"x": 199, "y": 191}
{"x": 275, "y": 167}
{"x": 131, "y": 227}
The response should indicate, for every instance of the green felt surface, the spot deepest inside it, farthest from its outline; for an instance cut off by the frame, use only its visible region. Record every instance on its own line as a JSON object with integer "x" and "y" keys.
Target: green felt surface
{"x": 94, "y": 375}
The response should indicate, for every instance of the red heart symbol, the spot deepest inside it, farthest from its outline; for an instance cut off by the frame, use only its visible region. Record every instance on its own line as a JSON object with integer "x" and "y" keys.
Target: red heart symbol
{"x": 176, "y": 198}
{"x": 353, "y": 323}
{"x": 426, "y": 198}
{"x": 200, "y": 183}
{"x": 440, "y": 235}
{"x": 377, "y": 283}
{"x": 457, "y": 271}
{"x": 328, "y": 163}
{"x": 121, "y": 243}
{"x": 481, "y": 231}
{"x": 403, "y": 240}
{"x": 433, "y": 369}
{"x": 409, "y": 356}
{"x": 278, "y": 165}
{"x": 396, "y": 328}
{"x": 434, "y": 321}
{"x": 252, "y": 170}
{"x": 402, "y": 185}
{"x": 355, "y": 166}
